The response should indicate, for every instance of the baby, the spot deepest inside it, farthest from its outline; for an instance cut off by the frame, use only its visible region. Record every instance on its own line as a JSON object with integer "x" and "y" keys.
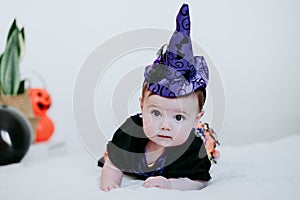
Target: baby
{"x": 161, "y": 145}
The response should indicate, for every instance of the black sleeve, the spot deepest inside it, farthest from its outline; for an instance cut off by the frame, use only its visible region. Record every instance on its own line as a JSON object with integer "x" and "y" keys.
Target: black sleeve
{"x": 126, "y": 146}
{"x": 193, "y": 163}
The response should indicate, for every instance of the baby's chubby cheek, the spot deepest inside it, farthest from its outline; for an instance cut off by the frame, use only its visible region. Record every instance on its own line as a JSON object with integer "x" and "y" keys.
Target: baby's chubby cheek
{"x": 180, "y": 136}
{"x": 147, "y": 120}
{"x": 149, "y": 129}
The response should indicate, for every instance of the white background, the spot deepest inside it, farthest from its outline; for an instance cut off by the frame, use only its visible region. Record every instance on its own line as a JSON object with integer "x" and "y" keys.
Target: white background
{"x": 254, "y": 44}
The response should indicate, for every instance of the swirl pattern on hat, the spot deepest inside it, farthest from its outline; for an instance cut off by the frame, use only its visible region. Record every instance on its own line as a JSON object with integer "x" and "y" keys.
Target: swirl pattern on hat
{"x": 176, "y": 71}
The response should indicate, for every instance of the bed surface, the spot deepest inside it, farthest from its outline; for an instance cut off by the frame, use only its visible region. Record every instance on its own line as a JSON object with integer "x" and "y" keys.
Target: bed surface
{"x": 255, "y": 171}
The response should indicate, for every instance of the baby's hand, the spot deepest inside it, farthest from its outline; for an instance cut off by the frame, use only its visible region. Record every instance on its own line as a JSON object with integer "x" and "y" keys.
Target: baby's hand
{"x": 158, "y": 181}
{"x": 107, "y": 188}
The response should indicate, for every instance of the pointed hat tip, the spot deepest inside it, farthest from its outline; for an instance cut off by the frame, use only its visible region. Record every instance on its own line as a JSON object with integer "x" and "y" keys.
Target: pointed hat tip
{"x": 183, "y": 22}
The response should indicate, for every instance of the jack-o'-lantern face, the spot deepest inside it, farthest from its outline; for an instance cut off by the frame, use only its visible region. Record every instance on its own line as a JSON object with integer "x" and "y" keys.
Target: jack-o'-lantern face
{"x": 41, "y": 101}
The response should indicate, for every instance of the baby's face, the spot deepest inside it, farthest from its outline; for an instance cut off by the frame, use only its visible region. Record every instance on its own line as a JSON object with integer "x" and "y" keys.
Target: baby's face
{"x": 168, "y": 122}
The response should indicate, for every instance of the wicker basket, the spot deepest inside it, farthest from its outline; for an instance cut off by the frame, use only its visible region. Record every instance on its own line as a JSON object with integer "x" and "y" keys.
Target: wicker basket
{"x": 22, "y": 102}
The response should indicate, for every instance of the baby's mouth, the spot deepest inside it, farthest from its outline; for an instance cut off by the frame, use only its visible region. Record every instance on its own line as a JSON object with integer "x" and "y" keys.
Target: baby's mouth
{"x": 165, "y": 136}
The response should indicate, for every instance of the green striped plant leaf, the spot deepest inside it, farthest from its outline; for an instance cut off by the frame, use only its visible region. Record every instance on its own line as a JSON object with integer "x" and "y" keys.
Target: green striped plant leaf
{"x": 10, "y": 82}
{"x": 10, "y": 77}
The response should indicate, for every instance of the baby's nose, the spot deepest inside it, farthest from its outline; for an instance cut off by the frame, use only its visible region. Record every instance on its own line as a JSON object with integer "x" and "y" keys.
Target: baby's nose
{"x": 165, "y": 125}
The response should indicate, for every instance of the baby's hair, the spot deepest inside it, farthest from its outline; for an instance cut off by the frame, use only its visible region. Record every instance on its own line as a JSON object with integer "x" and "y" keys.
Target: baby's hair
{"x": 200, "y": 94}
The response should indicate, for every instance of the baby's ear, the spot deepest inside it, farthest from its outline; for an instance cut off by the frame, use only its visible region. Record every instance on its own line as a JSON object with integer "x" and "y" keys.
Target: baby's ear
{"x": 199, "y": 115}
{"x": 141, "y": 103}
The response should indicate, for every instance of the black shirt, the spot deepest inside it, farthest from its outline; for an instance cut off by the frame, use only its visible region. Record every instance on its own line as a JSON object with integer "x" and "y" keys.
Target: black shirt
{"x": 126, "y": 150}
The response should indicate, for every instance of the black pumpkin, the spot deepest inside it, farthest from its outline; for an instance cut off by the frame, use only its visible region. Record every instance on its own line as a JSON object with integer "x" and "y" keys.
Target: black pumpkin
{"x": 15, "y": 135}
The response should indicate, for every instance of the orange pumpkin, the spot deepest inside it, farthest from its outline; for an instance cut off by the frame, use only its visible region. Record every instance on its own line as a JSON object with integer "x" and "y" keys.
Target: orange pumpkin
{"x": 41, "y": 101}
{"x": 44, "y": 129}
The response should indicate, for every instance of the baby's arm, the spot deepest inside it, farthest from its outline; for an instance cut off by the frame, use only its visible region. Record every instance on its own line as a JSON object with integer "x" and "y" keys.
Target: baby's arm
{"x": 111, "y": 176}
{"x": 187, "y": 184}
{"x": 174, "y": 183}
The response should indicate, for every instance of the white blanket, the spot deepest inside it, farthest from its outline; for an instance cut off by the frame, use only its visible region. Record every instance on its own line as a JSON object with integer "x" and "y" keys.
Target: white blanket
{"x": 256, "y": 171}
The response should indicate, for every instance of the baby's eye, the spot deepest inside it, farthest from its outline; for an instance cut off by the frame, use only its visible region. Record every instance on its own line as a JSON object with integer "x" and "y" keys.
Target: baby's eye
{"x": 156, "y": 113}
{"x": 179, "y": 117}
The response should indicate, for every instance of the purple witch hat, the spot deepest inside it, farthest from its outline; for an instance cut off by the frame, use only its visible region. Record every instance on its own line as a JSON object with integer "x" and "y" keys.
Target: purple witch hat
{"x": 176, "y": 72}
